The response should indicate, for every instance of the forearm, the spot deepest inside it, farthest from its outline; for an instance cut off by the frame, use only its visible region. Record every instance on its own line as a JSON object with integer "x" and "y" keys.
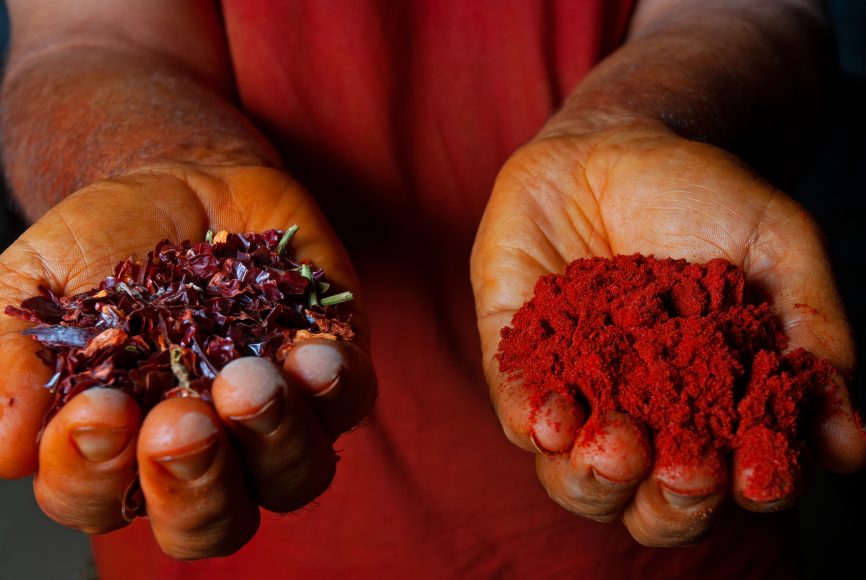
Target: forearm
{"x": 73, "y": 115}
{"x": 726, "y": 72}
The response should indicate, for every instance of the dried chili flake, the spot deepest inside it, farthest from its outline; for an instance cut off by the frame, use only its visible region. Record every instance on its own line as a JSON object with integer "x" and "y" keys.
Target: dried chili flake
{"x": 164, "y": 326}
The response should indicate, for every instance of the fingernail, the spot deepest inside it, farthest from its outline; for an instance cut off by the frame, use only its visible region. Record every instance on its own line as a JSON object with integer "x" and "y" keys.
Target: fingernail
{"x": 265, "y": 420}
{"x": 680, "y": 500}
{"x": 99, "y": 444}
{"x": 537, "y": 444}
{"x": 612, "y": 482}
{"x": 317, "y": 366}
{"x": 190, "y": 465}
{"x": 555, "y": 424}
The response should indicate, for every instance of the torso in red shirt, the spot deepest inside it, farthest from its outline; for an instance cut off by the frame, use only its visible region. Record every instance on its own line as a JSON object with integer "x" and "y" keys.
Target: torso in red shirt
{"x": 397, "y": 116}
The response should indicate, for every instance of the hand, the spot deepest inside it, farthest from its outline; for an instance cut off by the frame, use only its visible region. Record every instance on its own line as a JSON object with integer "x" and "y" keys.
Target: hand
{"x": 204, "y": 470}
{"x": 648, "y": 191}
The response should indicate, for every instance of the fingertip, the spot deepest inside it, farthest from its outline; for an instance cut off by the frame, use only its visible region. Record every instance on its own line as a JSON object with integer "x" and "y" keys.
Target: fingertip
{"x": 615, "y": 447}
{"x": 841, "y": 445}
{"x": 101, "y": 422}
{"x": 840, "y": 442}
{"x": 248, "y": 391}
{"x": 180, "y": 438}
{"x": 104, "y": 403}
{"x": 513, "y": 406}
{"x": 702, "y": 476}
{"x": 97, "y": 425}
{"x": 317, "y": 365}
{"x": 176, "y": 426}
{"x": 555, "y": 423}
{"x": 338, "y": 377}
{"x": 768, "y": 475}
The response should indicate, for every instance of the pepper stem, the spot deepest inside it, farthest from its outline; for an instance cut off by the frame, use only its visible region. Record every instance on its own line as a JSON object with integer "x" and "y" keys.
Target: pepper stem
{"x": 208, "y": 237}
{"x": 336, "y": 299}
{"x": 307, "y": 272}
{"x": 284, "y": 241}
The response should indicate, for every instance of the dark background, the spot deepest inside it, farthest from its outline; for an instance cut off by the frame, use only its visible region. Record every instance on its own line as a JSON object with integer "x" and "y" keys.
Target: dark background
{"x": 830, "y": 185}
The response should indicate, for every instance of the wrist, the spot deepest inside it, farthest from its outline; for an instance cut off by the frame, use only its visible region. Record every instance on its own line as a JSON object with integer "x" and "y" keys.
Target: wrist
{"x": 70, "y": 120}
{"x": 584, "y": 118}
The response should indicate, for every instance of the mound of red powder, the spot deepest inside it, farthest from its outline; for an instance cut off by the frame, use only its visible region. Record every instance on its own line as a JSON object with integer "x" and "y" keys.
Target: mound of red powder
{"x": 673, "y": 345}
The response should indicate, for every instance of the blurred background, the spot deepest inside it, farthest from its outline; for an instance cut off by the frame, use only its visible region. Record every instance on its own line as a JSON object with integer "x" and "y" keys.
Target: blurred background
{"x": 831, "y": 185}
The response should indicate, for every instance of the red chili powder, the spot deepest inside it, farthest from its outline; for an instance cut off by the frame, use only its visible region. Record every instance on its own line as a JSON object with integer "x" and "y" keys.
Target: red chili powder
{"x": 673, "y": 345}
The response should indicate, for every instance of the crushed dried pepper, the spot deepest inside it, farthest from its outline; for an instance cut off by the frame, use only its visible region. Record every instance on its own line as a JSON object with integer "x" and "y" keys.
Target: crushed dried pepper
{"x": 165, "y": 326}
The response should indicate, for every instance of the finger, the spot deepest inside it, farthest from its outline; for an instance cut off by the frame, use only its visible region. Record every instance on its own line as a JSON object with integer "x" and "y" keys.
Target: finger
{"x": 87, "y": 460}
{"x": 554, "y": 423}
{"x": 196, "y": 496}
{"x": 610, "y": 458}
{"x": 24, "y": 400}
{"x": 768, "y": 475}
{"x": 788, "y": 259}
{"x": 285, "y": 451}
{"x": 339, "y": 379}
{"x": 545, "y": 423}
{"x": 674, "y": 506}
{"x": 537, "y": 178}
{"x": 514, "y": 406}
{"x": 840, "y": 443}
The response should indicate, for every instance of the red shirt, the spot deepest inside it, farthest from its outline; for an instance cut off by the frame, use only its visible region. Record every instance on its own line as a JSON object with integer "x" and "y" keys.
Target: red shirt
{"x": 397, "y": 116}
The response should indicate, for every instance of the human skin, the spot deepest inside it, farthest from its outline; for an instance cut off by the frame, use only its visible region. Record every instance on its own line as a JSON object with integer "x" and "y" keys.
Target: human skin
{"x": 141, "y": 117}
{"x": 162, "y": 88}
{"x": 619, "y": 171}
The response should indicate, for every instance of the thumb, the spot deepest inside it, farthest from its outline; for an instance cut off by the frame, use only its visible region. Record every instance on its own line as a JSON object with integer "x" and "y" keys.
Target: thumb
{"x": 503, "y": 278}
{"x": 24, "y": 400}
{"x": 807, "y": 301}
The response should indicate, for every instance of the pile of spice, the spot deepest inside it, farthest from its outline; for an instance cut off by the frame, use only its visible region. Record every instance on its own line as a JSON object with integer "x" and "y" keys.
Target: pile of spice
{"x": 673, "y": 345}
{"x": 165, "y": 326}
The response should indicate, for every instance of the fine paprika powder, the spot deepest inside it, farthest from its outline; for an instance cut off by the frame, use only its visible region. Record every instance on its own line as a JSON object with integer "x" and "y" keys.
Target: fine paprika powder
{"x": 674, "y": 345}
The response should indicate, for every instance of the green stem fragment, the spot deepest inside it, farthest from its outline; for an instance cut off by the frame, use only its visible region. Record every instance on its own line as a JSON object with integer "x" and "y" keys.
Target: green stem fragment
{"x": 336, "y": 299}
{"x": 307, "y": 272}
{"x": 284, "y": 241}
{"x": 208, "y": 237}
{"x": 179, "y": 369}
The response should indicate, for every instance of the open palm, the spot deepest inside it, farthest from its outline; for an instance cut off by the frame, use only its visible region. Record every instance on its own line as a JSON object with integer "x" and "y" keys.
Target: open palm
{"x": 651, "y": 192}
{"x": 204, "y": 470}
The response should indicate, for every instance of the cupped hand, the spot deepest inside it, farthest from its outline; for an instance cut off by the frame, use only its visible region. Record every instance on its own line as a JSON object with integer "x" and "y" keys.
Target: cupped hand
{"x": 645, "y": 190}
{"x": 204, "y": 469}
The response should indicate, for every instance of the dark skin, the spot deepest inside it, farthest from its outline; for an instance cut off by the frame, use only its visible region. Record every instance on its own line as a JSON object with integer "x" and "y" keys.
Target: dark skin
{"x": 614, "y": 172}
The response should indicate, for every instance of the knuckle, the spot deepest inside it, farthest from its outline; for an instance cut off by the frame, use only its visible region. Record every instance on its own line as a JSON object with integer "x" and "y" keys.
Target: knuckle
{"x": 659, "y": 530}
{"x": 599, "y": 511}
{"x": 667, "y": 537}
{"x": 215, "y": 539}
{"x": 185, "y": 552}
{"x": 295, "y": 484}
{"x": 92, "y": 516}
